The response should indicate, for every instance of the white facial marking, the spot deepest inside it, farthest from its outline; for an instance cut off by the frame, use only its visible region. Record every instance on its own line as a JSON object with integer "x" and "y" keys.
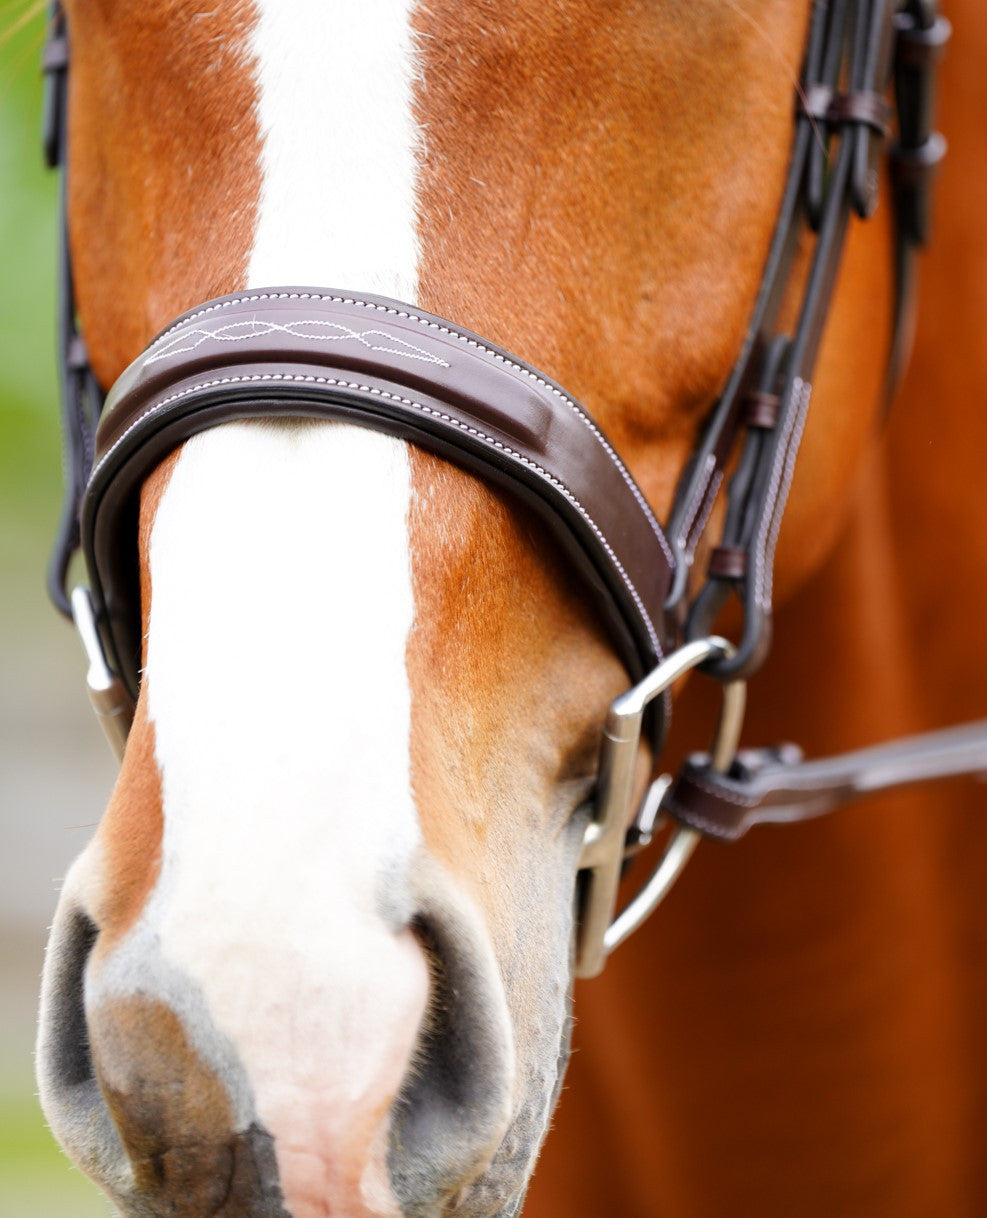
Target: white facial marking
{"x": 340, "y": 146}
{"x": 277, "y": 686}
{"x": 276, "y": 670}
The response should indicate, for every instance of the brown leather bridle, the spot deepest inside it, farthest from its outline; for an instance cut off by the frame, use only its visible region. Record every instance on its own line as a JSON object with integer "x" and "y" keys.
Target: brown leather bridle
{"x": 312, "y": 352}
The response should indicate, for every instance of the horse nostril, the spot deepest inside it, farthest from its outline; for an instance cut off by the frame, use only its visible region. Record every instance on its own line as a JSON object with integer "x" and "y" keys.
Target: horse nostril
{"x": 132, "y": 1101}
{"x": 440, "y": 1047}
{"x": 70, "y": 1094}
{"x": 68, "y": 1059}
{"x": 455, "y": 1105}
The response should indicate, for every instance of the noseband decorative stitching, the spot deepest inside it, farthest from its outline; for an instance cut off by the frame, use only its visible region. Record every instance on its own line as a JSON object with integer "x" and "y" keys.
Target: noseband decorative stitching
{"x": 307, "y": 352}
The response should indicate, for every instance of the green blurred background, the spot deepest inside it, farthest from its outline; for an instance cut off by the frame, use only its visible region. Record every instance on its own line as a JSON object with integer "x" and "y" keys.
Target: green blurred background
{"x": 55, "y": 770}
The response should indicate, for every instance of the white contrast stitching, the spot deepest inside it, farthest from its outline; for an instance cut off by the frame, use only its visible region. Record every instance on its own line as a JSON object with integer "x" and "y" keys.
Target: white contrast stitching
{"x": 446, "y": 418}
{"x": 699, "y": 527}
{"x": 778, "y": 488}
{"x": 707, "y": 824}
{"x": 732, "y": 797}
{"x": 463, "y": 338}
{"x": 696, "y": 502}
{"x": 714, "y": 486}
{"x": 189, "y": 340}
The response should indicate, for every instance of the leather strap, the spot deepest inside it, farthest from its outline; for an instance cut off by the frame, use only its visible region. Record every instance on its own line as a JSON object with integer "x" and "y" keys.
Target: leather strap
{"x": 80, "y": 396}
{"x": 841, "y": 123}
{"x": 309, "y": 352}
{"x": 775, "y": 786}
{"x": 915, "y": 156}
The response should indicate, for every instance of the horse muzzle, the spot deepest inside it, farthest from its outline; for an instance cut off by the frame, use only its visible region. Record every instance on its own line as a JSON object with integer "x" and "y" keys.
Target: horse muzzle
{"x": 192, "y": 1089}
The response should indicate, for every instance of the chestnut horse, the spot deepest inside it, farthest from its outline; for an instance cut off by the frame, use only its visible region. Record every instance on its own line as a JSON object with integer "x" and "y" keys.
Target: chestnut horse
{"x": 317, "y": 957}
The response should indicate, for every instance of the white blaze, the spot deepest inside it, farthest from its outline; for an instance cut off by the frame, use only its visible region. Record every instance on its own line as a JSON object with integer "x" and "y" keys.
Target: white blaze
{"x": 281, "y": 608}
{"x": 340, "y": 146}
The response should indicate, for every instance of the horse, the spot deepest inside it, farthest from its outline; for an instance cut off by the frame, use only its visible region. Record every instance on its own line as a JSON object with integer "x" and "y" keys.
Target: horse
{"x": 318, "y": 956}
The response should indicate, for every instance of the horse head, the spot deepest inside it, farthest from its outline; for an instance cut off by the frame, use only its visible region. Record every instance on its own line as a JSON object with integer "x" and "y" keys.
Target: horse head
{"x": 318, "y": 955}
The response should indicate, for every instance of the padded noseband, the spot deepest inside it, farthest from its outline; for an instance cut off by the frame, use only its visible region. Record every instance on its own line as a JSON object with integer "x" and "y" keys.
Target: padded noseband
{"x": 312, "y": 353}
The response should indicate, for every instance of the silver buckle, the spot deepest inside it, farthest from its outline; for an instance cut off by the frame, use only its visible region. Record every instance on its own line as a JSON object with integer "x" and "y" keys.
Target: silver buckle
{"x": 604, "y": 843}
{"x": 107, "y": 693}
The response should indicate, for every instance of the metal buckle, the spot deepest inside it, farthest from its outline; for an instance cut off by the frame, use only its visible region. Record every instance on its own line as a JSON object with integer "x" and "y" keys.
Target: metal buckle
{"x": 107, "y": 693}
{"x": 604, "y": 845}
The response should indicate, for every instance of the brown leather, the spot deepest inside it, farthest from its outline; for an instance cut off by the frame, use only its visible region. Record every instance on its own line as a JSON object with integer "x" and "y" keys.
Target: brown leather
{"x": 776, "y": 786}
{"x": 727, "y": 562}
{"x": 761, "y": 409}
{"x": 308, "y": 352}
{"x": 841, "y": 124}
{"x": 831, "y": 106}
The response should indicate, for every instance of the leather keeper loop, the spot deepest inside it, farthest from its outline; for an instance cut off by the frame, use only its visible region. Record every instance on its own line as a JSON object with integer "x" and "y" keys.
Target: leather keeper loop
{"x": 867, "y": 109}
{"x": 913, "y": 166}
{"x": 912, "y": 173}
{"x": 917, "y": 47}
{"x": 727, "y": 562}
{"x": 761, "y": 409}
{"x": 864, "y": 108}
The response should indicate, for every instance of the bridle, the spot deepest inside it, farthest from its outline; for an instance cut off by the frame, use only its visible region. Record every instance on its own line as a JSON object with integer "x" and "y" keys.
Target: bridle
{"x": 311, "y": 352}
